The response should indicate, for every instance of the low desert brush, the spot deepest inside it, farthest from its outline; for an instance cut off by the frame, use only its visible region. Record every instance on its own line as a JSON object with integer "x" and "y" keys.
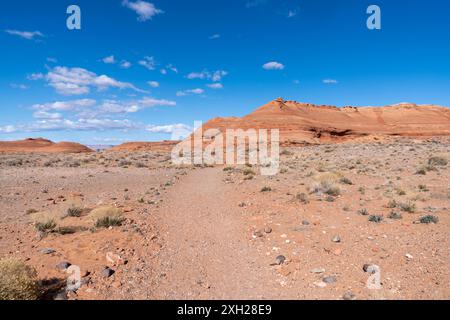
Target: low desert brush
{"x": 17, "y": 280}
{"x": 108, "y": 216}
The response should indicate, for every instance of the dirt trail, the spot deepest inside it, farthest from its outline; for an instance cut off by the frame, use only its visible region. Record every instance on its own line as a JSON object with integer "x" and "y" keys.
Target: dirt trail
{"x": 206, "y": 253}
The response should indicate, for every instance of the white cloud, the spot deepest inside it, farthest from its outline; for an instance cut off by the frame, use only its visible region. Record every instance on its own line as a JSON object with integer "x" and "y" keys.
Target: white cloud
{"x": 296, "y": 81}
{"x": 77, "y": 81}
{"x": 215, "y": 86}
{"x": 148, "y": 62}
{"x": 125, "y": 64}
{"x": 292, "y": 13}
{"x": 145, "y": 10}
{"x": 170, "y": 128}
{"x": 65, "y": 105}
{"x": 109, "y": 60}
{"x": 255, "y": 3}
{"x": 52, "y": 60}
{"x": 113, "y": 106}
{"x": 330, "y": 81}
{"x": 273, "y": 65}
{"x": 153, "y": 84}
{"x": 214, "y": 36}
{"x": 35, "y": 76}
{"x": 18, "y": 86}
{"x": 29, "y": 35}
{"x": 47, "y": 115}
{"x": 8, "y": 129}
{"x": 190, "y": 92}
{"x": 205, "y": 74}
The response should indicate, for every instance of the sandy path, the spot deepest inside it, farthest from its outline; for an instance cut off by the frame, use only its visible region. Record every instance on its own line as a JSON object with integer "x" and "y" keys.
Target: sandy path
{"x": 206, "y": 254}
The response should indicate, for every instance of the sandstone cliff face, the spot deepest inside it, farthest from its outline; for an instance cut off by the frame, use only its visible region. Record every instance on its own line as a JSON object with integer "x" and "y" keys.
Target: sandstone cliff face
{"x": 301, "y": 123}
{"x": 41, "y": 145}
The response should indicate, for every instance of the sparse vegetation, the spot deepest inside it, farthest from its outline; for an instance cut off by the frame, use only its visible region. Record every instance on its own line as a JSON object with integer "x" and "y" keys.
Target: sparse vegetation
{"x": 376, "y": 218}
{"x": 108, "y": 216}
{"x": 437, "y": 161}
{"x": 345, "y": 180}
{"x": 74, "y": 211}
{"x": 17, "y": 280}
{"x": 266, "y": 189}
{"x": 429, "y": 219}
{"x": 326, "y": 183}
{"x": 363, "y": 212}
{"x": 409, "y": 207}
{"x": 248, "y": 172}
{"x": 31, "y": 211}
{"x": 395, "y": 215}
{"x": 302, "y": 197}
{"x": 46, "y": 225}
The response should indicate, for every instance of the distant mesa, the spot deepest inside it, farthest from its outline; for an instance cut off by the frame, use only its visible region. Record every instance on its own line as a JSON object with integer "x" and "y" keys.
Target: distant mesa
{"x": 41, "y": 145}
{"x": 306, "y": 123}
{"x": 160, "y": 146}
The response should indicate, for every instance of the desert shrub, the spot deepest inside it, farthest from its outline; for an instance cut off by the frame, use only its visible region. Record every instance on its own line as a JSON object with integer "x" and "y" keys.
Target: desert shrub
{"x": 429, "y": 219}
{"x": 286, "y": 152}
{"x": 408, "y": 207}
{"x": 247, "y": 172}
{"x": 363, "y": 212}
{"x": 140, "y": 165}
{"x": 326, "y": 183}
{"x": 423, "y": 188}
{"x": 74, "y": 212}
{"x": 422, "y": 171}
{"x": 302, "y": 197}
{"x": 228, "y": 169}
{"x": 17, "y": 281}
{"x": 392, "y": 204}
{"x": 345, "y": 180}
{"x": 65, "y": 230}
{"x": 437, "y": 161}
{"x": 362, "y": 190}
{"x": 45, "y": 225}
{"x": 124, "y": 163}
{"x": 266, "y": 189}
{"x": 401, "y": 192}
{"x": 107, "y": 216}
{"x": 395, "y": 215}
{"x": 31, "y": 211}
{"x": 376, "y": 218}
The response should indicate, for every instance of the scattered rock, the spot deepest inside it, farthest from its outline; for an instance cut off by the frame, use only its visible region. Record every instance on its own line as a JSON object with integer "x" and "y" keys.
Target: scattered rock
{"x": 349, "y": 296}
{"x": 318, "y": 270}
{"x": 257, "y": 234}
{"x": 320, "y": 284}
{"x": 305, "y": 223}
{"x": 329, "y": 279}
{"x": 48, "y": 251}
{"x": 267, "y": 229}
{"x": 62, "y": 266}
{"x": 280, "y": 260}
{"x": 409, "y": 256}
{"x": 107, "y": 272}
{"x": 336, "y": 239}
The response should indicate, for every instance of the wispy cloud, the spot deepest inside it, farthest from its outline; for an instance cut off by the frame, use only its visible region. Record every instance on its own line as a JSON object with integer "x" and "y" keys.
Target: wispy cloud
{"x": 153, "y": 84}
{"x": 29, "y": 35}
{"x": 78, "y": 81}
{"x": 170, "y": 128}
{"x": 109, "y": 60}
{"x": 292, "y": 13}
{"x": 125, "y": 64}
{"x": 214, "y": 36}
{"x": 144, "y": 10}
{"x": 330, "y": 81}
{"x": 197, "y": 91}
{"x": 205, "y": 74}
{"x": 18, "y": 86}
{"x": 255, "y": 3}
{"x": 215, "y": 86}
{"x": 273, "y": 65}
{"x": 148, "y": 62}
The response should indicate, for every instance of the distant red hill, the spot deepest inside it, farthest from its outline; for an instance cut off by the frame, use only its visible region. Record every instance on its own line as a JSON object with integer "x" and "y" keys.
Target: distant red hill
{"x": 308, "y": 123}
{"x": 41, "y": 145}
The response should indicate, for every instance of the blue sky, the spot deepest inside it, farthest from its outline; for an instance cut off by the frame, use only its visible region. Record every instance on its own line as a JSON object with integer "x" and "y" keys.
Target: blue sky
{"x": 138, "y": 69}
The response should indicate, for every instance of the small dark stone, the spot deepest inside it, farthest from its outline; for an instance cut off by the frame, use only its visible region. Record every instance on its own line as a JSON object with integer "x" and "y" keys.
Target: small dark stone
{"x": 329, "y": 279}
{"x": 280, "y": 260}
{"x": 63, "y": 265}
{"x": 267, "y": 229}
{"x": 349, "y": 296}
{"x": 305, "y": 223}
{"x": 366, "y": 267}
{"x": 48, "y": 251}
{"x": 258, "y": 234}
{"x": 107, "y": 272}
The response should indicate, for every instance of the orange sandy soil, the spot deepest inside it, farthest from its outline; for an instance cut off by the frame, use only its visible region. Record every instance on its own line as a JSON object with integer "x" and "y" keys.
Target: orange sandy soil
{"x": 210, "y": 233}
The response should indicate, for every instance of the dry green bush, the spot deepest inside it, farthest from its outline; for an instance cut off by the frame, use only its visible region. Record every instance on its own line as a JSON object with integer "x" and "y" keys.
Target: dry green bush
{"x": 107, "y": 216}
{"x": 17, "y": 280}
